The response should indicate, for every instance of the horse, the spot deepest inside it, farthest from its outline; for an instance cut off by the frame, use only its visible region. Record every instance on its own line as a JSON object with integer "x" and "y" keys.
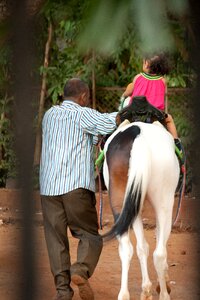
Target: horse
{"x": 140, "y": 163}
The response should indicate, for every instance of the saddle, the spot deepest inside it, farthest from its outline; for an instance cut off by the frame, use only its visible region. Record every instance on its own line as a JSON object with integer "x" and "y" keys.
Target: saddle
{"x": 140, "y": 110}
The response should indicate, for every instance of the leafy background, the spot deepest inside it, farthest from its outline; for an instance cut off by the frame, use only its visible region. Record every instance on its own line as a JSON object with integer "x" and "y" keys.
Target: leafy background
{"x": 94, "y": 40}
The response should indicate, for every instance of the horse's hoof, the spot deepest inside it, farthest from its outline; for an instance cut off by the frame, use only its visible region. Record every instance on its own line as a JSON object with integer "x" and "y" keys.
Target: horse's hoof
{"x": 124, "y": 296}
{"x": 168, "y": 288}
{"x": 146, "y": 297}
{"x": 158, "y": 289}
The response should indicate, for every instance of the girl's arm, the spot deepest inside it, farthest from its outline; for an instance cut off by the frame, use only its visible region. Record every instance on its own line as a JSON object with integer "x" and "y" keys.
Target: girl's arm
{"x": 130, "y": 87}
{"x": 166, "y": 95}
{"x": 129, "y": 90}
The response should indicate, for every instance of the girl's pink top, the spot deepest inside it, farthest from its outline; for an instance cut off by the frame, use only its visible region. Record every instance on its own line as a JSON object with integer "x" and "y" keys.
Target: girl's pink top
{"x": 152, "y": 87}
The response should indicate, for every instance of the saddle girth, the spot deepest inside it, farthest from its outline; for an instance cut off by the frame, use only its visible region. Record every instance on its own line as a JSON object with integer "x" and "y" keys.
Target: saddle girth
{"x": 140, "y": 110}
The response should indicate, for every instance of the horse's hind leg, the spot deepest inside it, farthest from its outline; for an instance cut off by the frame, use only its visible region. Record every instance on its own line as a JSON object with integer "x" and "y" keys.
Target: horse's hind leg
{"x": 164, "y": 217}
{"x": 143, "y": 253}
{"x": 125, "y": 253}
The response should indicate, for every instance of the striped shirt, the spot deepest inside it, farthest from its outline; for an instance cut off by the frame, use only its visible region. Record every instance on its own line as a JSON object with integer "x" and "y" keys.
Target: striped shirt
{"x": 69, "y": 133}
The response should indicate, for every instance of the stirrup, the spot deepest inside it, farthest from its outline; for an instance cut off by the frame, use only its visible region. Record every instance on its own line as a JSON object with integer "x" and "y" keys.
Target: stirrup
{"x": 182, "y": 162}
{"x": 180, "y": 152}
{"x": 100, "y": 159}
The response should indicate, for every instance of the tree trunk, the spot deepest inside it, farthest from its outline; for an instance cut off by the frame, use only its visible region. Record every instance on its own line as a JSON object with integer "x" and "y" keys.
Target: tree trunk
{"x": 93, "y": 81}
{"x": 42, "y": 99}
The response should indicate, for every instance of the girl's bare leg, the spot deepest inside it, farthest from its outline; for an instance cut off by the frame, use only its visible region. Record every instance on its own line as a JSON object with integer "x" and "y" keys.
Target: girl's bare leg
{"x": 171, "y": 127}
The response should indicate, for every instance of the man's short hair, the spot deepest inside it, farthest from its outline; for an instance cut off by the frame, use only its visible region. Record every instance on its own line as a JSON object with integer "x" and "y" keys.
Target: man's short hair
{"x": 75, "y": 87}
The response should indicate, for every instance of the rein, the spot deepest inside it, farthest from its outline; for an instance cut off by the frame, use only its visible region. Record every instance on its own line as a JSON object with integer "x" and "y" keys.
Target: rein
{"x": 181, "y": 194}
{"x": 100, "y": 210}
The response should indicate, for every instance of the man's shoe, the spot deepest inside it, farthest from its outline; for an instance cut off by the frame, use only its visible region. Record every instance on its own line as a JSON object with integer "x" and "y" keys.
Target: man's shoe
{"x": 68, "y": 296}
{"x": 85, "y": 290}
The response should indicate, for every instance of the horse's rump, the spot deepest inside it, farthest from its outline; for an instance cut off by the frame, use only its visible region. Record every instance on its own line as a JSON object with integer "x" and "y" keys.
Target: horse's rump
{"x": 138, "y": 158}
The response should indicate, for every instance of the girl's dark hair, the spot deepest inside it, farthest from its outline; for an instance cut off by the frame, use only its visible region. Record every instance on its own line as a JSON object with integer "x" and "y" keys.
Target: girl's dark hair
{"x": 159, "y": 64}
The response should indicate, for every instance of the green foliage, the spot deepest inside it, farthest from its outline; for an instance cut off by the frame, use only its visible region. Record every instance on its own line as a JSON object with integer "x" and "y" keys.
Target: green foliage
{"x": 116, "y": 60}
{"x": 107, "y": 22}
{"x": 119, "y": 68}
{"x": 7, "y": 155}
{"x": 65, "y": 59}
{"x": 176, "y": 81}
{"x": 8, "y": 158}
{"x": 108, "y": 100}
{"x": 113, "y": 68}
{"x": 181, "y": 110}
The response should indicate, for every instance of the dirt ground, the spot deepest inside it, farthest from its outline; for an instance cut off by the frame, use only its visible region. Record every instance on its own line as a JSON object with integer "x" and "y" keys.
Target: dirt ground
{"x": 183, "y": 254}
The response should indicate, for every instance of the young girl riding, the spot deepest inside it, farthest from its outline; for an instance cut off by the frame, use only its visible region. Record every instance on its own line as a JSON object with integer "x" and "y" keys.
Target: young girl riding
{"x": 152, "y": 84}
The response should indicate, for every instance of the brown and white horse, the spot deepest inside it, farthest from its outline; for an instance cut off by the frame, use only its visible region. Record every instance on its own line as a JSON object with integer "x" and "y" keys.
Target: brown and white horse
{"x": 140, "y": 163}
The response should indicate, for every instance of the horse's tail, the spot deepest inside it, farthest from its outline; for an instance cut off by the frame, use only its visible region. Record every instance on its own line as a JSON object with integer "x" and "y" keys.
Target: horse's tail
{"x": 138, "y": 177}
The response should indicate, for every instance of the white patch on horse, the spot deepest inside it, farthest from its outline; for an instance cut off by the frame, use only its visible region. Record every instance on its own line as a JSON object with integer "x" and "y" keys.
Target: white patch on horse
{"x": 153, "y": 174}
